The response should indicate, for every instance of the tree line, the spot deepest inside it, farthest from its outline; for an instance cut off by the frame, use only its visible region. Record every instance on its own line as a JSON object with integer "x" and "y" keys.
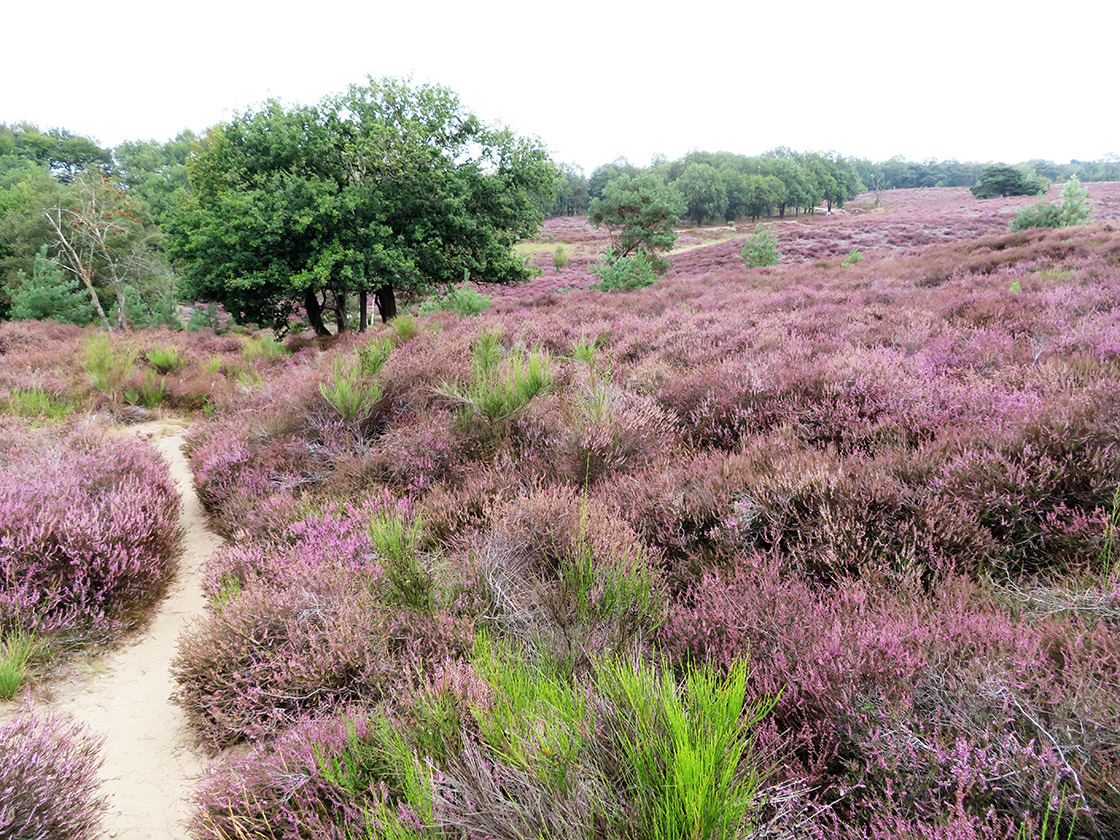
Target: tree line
{"x": 311, "y": 211}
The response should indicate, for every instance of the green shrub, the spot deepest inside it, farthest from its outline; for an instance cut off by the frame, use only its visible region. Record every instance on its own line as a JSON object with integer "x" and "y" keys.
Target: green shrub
{"x": 164, "y": 359}
{"x": 559, "y": 258}
{"x": 209, "y": 316}
{"x": 626, "y": 274}
{"x": 1000, "y": 179}
{"x": 396, "y": 539}
{"x": 761, "y": 249}
{"x": 263, "y": 347}
{"x": 853, "y": 257}
{"x": 1071, "y": 209}
{"x": 49, "y": 295}
{"x": 351, "y": 394}
{"x": 462, "y": 300}
{"x": 500, "y": 388}
{"x": 374, "y": 355}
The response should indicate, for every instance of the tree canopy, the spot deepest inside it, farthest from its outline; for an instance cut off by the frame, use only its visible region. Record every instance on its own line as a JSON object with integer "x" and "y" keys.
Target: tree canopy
{"x": 384, "y": 187}
{"x": 999, "y": 179}
{"x": 639, "y": 213}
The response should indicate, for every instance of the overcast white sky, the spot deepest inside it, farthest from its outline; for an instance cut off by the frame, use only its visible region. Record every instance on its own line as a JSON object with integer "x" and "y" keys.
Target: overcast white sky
{"x": 975, "y": 80}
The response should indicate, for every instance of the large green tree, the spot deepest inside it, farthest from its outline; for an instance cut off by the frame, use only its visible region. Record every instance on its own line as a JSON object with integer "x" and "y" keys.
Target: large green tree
{"x": 1000, "y": 179}
{"x": 639, "y": 214}
{"x": 384, "y": 187}
{"x": 703, "y": 191}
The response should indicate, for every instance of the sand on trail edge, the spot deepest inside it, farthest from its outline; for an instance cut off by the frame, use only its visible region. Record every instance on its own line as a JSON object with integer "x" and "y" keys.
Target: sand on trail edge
{"x": 124, "y": 695}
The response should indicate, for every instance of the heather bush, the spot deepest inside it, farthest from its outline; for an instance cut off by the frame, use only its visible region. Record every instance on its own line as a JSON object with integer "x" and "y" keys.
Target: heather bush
{"x": 50, "y": 783}
{"x": 91, "y": 529}
{"x": 609, "y": 430}
{"x": 568, "y": 577}
{"x": 336, "y": 607}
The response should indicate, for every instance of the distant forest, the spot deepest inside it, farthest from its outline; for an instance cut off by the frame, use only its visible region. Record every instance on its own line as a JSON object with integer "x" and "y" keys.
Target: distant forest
{"x": 800, "y": 174}
{"x": 81, "y": 222}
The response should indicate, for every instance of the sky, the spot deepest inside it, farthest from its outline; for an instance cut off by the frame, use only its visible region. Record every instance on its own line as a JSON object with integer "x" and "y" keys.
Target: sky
{"x": 977, "y": 80}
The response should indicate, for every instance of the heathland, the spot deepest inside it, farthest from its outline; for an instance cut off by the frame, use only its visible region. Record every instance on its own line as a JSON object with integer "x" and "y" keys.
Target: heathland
{"x": 822, "y": 548}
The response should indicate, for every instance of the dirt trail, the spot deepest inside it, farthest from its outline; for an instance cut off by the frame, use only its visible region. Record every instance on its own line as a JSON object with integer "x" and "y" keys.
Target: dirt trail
{"x": 124, "y": 695}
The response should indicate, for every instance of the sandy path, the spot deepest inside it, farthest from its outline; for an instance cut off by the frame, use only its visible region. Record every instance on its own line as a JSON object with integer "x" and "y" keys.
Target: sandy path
{"x": 124, "y": 695}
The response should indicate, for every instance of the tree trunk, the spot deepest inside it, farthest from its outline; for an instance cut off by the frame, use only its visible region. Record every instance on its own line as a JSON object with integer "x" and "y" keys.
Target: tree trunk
{"x": 386, "y": 302}
{"x": 340, "y": 312}
{"x": 314, "y": 312}
{"x": 363, "y": 315}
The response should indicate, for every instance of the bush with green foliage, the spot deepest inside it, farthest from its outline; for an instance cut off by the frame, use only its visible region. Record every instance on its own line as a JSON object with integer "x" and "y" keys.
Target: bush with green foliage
{"x": 639, "y": 214}
{"x": 1071, "y": 209}
{"x": 462, "y": 300}
{"x": 559, "y": 258}
{"x": 625, "y": 274}
{"x": 49, "y": 295}
{"x": 352, "y": 394}
{"x": 761, "y": 249}
{"x": 1002, "y": 180}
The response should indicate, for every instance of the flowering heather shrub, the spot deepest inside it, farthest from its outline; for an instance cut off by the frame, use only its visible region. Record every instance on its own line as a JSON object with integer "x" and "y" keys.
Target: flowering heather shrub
{"x": 568, "y": 577}
{"x": 609, "y": 430}
{"x": 278, "y": 790}
{"x": 90, "y": 532}
{"x": 48, "y": 779}
{"x": 948, "y": 699}
{"x": 309, "y": 619}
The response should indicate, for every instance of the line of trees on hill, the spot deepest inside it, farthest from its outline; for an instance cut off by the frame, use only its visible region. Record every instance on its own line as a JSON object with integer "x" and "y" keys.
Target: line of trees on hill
{"x": 576, "y": 190}
{"x": 385, "y": 187}
{"x": 724, "y": 186}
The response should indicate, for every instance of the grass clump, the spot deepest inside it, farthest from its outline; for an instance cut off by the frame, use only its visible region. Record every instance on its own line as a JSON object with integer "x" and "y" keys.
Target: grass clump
{"x": 263, "y": 347}
{"x": 500, "y": 386}
{"x": 107, "y": 367}
{"x": 350, "y": 393}
{"x": 35, "y": 402}
{"x": 404, "y": 327}
{"x": 19, "y": 650}
{"x": 164, "y": 359}
{"x": 397, "y": 539}
{"x": 686, "y": 749}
